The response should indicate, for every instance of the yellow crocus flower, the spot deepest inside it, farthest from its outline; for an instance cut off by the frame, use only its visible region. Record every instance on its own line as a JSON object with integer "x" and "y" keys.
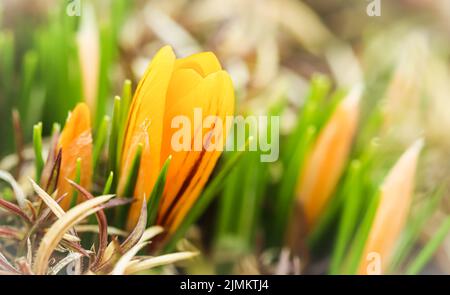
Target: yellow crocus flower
{"x": 174, "y": 87}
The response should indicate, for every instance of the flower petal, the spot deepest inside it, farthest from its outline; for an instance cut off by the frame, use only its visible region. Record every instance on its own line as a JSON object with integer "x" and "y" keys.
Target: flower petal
{"x": 326, "y": 161}
{"x": 147, "y": 113}
{"x": 392, "y": 212}
{"x": 203, "y": 63}
{"x": 75, "y": 142}
{"x": 202, "y": 163}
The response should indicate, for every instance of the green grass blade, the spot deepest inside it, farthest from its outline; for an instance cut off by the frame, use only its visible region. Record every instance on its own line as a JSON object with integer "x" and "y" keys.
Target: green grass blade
{"x": 130, "y": 183}
{"x": 126, "y": 101}
{"x": 37, "y": 145}
{"x": 227, "y": 204}
{"x": 7, "y": 65}
{"x": 133, "y": 173}
{"x": 29, "y": 69}
{"x": 108, "y": 183}
{"x": 430, "y": 248}
{"x": 99, "y": 141}
{"x": 77, "y": 180}
{"x": 288, "y": 185}
{"x": 328, "y": 217}
{"x": 348, "y": 220}
{"x": 114, "y": 133}
{"x": 56, "y": 128}
{"x": 205, "y": 198}
{"x": 124, "y": 106}
{"x": 412, "y": 231}
{"x": 350, "y": 266}
{"x": 252, "y": 186}
{"x": 157, "y": 192}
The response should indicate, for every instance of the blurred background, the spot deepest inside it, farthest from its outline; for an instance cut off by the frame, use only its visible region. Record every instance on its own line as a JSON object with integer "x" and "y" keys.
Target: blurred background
{"x": 55, "y": 53}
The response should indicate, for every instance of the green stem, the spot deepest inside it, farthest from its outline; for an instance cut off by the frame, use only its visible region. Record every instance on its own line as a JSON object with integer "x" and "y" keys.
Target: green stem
{"x": 77, "y": 180}
{"x": 37, "y": 144}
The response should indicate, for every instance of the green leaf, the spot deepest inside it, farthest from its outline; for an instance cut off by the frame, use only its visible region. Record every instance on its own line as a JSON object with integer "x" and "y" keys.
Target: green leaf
{"x": 319, "y": 89}
{"x": 349, "y": 218}
{"x": 126, "y": 101}
{"x": 7, "y": 61}
{"x": 327, "y": 218}
{"x": 115, "y": 127}
{"x": 37, "y": 145}
{"x": 228, "y": 205}
{"x": 413, "y": 228}
{"x": 106, "y": 191}
{"x": 205, "y": 198}
{"x": 286, "y": 194}
{"x": 29, "y": 69}
{"x": 99, "y": 142}
{"x": 133, "y": 173}
{"x": 77, "y": 180}
{"x": 56, "y": 128}
{"x": 107, "y": 188}
{"x": 124, "y": 106}
{"x": 130, "y": 183}
{"x": 7, "y": 66}
{"x": 430, "y": 248}
{"x": 350, "y": 266}
{"x": 157, "y": 192}
{"x": 252, "y": 184}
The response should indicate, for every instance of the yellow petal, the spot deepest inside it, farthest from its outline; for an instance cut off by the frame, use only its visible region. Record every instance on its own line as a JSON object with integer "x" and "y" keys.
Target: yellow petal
{"x": 185, "y": 163}
{"x": 75, "y": 142}
{"x": 203, "y": 63}
{"x": 208, "y": 159}
{"x": 181, "y": 100}
{"x": 193, "y": 82}
{"x": 392, "y": 212}
{"x": 147, "y": 111}
{"x": 325, "y": 163}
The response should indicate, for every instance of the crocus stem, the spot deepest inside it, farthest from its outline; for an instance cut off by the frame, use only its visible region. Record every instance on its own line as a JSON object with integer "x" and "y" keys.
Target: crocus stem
{"x": 37, "y": 144}
{"x": 155, "y": 197}
{"x": 77, "y": 180}
{"x": 115, "y": 126}
{"x": 130, "y": 184}
{"x": 99, "y": 142}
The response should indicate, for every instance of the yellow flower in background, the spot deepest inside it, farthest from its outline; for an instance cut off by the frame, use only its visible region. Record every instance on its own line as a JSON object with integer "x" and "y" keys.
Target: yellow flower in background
{"x": 174, "y": 87}
{"x": 75, "y": 143}
{"x": 326, "y": 161}
{"x": 89, "y": 55}
{"x": 392, "y": 212}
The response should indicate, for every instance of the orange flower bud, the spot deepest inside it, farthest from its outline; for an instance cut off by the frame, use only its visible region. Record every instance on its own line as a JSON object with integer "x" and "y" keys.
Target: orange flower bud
{"x": 326, "y": 161}
{"x": 392, "y": 212}
{"x": 75, "y": 142}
